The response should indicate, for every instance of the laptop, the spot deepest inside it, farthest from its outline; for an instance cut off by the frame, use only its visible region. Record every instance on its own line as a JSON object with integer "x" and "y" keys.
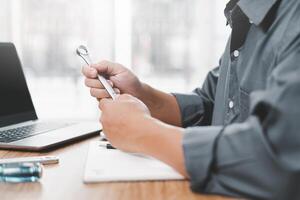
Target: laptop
{"x": 20, "y": 128}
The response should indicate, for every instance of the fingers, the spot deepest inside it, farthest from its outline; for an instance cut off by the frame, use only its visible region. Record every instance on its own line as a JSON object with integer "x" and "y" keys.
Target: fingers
{"x": 124, "y": 97}
{"x": 101, "y": 93}
{"x": 89, "y": 72}
{"x": 104, "y": 67}
{"x": 95, "y": 83}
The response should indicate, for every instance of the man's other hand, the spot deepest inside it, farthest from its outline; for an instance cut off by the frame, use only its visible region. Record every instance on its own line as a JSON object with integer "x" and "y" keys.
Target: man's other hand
{"x": 124, "y": 121}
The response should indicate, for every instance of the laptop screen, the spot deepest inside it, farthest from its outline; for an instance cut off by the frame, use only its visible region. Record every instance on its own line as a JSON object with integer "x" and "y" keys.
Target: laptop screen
{"x": 15, "y": 102}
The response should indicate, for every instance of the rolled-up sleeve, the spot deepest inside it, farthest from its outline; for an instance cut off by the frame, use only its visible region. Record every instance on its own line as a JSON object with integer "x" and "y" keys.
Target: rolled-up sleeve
{"x": 197, "y": 108}
{"x": 199, "y": 147}
{"x": 258, "y": 158}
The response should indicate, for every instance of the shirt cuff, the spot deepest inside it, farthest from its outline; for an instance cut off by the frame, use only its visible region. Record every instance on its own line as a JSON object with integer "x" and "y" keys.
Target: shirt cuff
{"x": 198, "y": 147}
{"x": 191, "y": 108}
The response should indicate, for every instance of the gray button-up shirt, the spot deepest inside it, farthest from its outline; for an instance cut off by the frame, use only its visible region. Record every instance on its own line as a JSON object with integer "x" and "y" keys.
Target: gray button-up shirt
{"x": 242, "y": 135}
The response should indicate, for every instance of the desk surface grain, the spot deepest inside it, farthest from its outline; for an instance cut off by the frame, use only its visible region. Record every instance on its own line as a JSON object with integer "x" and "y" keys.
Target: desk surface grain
{"x": 64, "y": 181}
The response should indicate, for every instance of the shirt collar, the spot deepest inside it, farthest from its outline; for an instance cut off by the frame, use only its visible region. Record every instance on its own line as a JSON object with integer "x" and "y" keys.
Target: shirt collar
{"x": 228, "y": 11}
{"x": 256, "y": 10}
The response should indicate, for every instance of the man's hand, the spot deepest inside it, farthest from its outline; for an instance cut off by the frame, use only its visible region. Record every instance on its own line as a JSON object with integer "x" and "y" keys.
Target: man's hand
{"x": 125, "y": 82}
{"x": 124, "y": 121}
{"x": 128, "y": 126}
{"x": 121, "y": 78}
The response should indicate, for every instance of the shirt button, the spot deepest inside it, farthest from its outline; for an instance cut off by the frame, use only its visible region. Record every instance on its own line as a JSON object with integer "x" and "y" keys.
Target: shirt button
{"x": 231, "y": 104}
{"x": 236, "y": 53}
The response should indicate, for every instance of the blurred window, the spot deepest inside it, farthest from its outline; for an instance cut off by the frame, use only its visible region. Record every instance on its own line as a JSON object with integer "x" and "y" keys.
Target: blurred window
{"x": 170, "y": 44}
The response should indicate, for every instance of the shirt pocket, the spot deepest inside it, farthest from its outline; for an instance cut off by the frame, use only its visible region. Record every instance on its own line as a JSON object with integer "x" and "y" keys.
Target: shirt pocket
{"x": 244, "y": 104}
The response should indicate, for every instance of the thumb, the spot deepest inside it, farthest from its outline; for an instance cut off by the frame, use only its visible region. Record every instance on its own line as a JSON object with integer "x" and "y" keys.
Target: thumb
{"x": 106, "y": 68}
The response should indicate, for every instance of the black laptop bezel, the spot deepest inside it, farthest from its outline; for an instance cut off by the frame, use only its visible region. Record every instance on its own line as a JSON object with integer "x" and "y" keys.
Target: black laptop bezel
{"x": 23, "y": 116}
{"x": 17, "y": 118}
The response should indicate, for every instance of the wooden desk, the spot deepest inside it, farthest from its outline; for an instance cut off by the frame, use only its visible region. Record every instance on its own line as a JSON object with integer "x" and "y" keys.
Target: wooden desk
{"x": 64, "y": 181}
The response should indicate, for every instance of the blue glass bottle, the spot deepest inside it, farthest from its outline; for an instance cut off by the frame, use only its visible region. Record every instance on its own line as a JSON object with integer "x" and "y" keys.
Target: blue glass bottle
{"x": 20, "y": 172}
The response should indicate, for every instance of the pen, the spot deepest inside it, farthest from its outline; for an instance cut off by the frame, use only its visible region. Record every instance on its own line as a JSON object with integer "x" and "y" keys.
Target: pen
{"x": 102, "y": 137}
{"x": 107, "y": 146}
{"x": 46, "y": 160}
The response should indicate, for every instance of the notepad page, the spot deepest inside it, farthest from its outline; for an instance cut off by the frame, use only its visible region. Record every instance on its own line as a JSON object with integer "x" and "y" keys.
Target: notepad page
{"x": 106, "y": 165}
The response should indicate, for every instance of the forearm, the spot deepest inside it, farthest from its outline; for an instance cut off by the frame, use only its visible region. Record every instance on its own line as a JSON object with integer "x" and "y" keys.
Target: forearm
{"x": 162, "y": 106}
{"x": 164, "y": 142}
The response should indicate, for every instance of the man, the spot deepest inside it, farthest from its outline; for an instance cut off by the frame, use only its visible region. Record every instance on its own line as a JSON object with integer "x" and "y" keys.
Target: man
{"x": 239, "y": 134}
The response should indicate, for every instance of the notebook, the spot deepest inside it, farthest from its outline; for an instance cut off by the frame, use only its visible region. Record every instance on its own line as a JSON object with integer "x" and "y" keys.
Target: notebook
{"x": 109, "y": 165}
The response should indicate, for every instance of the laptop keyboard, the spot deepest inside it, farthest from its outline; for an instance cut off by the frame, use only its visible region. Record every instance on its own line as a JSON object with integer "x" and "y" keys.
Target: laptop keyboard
{"x": 19, "y": 133}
